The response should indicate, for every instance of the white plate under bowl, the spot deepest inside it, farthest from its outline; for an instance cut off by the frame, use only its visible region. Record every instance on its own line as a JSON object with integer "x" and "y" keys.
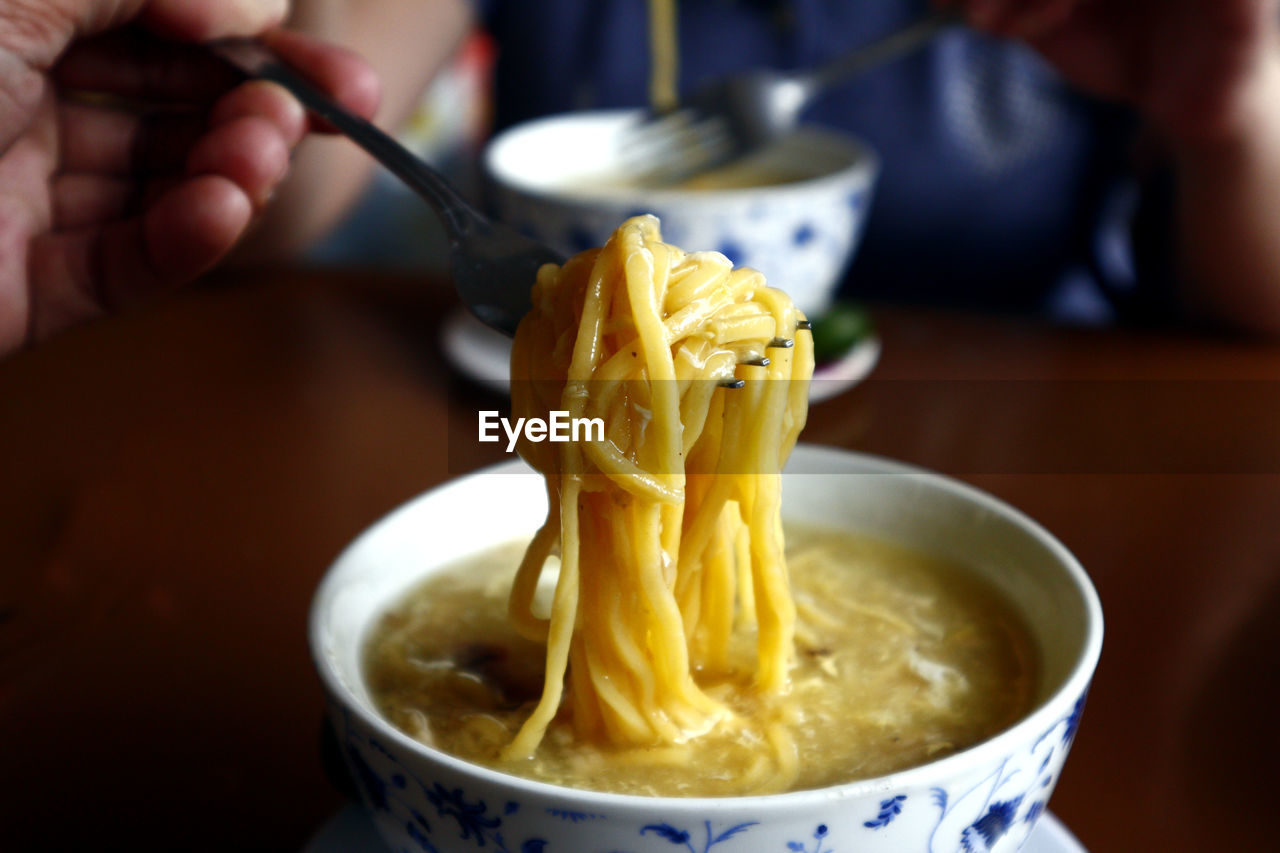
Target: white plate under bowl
{"x": 351, "y": 831}
{"x": 484, "y": 356}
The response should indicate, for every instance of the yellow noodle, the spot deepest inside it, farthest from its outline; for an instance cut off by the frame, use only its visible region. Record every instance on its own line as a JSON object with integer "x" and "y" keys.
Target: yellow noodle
{"x": 668, "y": 530}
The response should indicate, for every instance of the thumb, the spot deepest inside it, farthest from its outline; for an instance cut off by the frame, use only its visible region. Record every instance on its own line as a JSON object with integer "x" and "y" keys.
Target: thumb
{"x": 202, "y": 20}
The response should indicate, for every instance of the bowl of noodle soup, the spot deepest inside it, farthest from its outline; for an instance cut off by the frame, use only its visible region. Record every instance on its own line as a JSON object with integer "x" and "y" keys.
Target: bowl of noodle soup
{"x": 986, "y": 796}
{"x": 689, "y": 631}
{"x": 795, "y": 210}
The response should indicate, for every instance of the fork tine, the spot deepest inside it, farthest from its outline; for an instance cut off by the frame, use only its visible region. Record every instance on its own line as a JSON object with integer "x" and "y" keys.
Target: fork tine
{"x": 675, "y": 146}
{"x": 655, "y": 128}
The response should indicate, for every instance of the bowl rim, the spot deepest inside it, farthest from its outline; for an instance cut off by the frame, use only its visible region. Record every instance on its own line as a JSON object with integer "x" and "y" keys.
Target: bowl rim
{"x": 862, "y": 170}
{"x": 1041, "y": 719}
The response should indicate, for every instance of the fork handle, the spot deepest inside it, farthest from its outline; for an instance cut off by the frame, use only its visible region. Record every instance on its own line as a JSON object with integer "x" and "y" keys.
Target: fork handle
{"x": 879, "y": 52}
{"x": 256, "y": 61}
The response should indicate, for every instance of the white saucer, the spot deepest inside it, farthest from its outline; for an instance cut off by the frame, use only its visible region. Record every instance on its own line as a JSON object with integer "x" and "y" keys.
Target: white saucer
{"x": 351, "y": 831}
{"x": 479, "y": 353}
{"x": 833, "y": 379}
{"x": 484, "y": 356}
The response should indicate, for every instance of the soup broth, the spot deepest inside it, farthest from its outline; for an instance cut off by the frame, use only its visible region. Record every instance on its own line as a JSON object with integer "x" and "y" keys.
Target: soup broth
{"x": 901, "y": 658}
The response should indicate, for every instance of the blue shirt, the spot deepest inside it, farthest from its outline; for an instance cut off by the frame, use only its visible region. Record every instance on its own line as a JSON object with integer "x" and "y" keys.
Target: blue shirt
{"x": 1001, "y": 186}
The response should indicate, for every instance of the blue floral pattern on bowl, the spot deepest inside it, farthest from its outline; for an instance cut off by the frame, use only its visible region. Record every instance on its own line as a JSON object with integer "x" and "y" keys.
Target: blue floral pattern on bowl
{"x": 994, "y": 812}
{"x": 984, "y": 798}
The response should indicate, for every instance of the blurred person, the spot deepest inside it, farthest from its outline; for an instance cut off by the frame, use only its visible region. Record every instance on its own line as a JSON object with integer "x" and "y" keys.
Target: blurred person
{"x": 1090, "y": 160}
{"x": 131, "y": 162}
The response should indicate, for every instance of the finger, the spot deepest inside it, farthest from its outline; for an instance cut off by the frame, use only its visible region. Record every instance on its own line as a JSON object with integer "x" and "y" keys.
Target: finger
{"x": 99, "y": 138}
{"x": 184, "y": 233}
{"x": 132, "y": 63}
{"x": 204, "y": 20}
{"x": 40, "y": 31}
{"x": 344, "y": 75}
{"x": 155, "y": 188}
{"x": 79, "y": 274}
{"x": 265, "y": 100}
{"x": 81, "y": 200}
{"x": 102, "y": 138}
{"x": 250, "y": 151}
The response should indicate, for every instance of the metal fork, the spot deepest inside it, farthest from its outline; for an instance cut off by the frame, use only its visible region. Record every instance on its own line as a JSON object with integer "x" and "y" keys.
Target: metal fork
{"x": 493, "y": 266}
{"x": 731, "y": 116}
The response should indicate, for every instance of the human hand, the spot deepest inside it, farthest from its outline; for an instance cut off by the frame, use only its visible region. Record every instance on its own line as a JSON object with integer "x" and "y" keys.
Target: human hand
{"x": 130, "y": 160}
{"x": 1201, "y": 70}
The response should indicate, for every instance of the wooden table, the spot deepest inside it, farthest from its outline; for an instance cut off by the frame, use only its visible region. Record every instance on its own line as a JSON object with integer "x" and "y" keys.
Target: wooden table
{"x": 173, "y": 483}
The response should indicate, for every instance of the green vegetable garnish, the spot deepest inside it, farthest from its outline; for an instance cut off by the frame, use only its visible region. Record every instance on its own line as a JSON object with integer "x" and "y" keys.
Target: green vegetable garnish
{"x": 839, "y": 329}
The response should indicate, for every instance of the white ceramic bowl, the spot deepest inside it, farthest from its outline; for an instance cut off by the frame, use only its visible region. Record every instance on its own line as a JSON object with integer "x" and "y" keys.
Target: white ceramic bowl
{"x": 801, "y": 235}
{"x": 984, "y": 798}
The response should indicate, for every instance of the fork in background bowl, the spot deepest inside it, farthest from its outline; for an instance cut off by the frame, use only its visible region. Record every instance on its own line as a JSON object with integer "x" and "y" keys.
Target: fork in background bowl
{"x": 562, "y": 180}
